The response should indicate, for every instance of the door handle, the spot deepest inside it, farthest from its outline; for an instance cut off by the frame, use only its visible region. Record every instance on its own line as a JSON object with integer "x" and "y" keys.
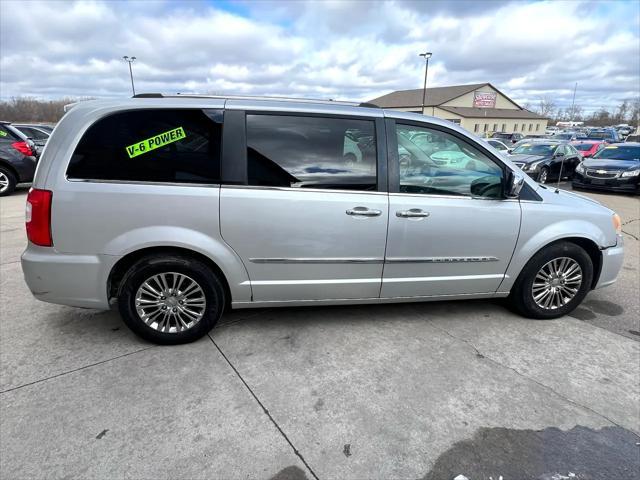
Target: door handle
{"x": 364, "y": 211}
{"x": 412, "y": 213}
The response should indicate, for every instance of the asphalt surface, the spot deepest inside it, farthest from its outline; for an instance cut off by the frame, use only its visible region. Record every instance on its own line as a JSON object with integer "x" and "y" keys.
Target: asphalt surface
{"x": 432, "y": 391}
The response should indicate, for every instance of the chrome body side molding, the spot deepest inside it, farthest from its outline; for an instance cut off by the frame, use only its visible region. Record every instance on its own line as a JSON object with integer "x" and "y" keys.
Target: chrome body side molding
{"x": 440, "y": 259}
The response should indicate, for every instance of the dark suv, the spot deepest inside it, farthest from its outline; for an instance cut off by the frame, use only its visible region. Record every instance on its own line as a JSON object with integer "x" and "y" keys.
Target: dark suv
{"x": 508, "y": 138}
{"x": 17, "y": 158}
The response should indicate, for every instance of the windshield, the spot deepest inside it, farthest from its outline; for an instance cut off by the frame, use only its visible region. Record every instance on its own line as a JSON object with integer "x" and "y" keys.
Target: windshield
{"x": 615, "y": 152}
{"x": 535, "y": 149}
{"x": 564, "y": 136}
{"x": 584, "y": 147}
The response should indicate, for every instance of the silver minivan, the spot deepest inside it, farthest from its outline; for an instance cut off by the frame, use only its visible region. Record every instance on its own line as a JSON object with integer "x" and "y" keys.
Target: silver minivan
{"x": 177, "y": 208}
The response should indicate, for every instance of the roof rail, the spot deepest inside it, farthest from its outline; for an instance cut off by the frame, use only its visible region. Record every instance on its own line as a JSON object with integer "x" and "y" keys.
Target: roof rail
{"x": 257, "y": 97}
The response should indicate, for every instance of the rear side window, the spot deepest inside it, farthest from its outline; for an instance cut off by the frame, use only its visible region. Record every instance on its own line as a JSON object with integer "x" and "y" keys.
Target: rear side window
{"x": 177, "y": 146}
{"x": 7, "y": 134}
{"x": 311, "y": 152}
{"x": 33, "y": 133}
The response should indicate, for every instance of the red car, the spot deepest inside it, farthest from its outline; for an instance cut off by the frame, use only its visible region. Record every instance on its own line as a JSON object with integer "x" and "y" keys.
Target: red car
{"x": 588, "y": 148}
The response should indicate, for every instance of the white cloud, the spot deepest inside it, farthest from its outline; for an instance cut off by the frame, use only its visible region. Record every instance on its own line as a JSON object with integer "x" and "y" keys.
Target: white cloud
{"x": 351, "y": 49}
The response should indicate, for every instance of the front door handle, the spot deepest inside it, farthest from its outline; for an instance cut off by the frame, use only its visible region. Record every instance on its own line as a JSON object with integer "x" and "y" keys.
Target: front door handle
{"x": 412, "y": 213}
{"x": 364, "y": 211}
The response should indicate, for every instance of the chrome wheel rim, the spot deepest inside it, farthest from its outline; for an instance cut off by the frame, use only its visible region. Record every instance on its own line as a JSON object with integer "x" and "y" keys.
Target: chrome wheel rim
{"x": 4, "y": 182}
{"x": 557, "y": 283}
{"x": 543, "y": 176}
{"x": 170, "y": 302}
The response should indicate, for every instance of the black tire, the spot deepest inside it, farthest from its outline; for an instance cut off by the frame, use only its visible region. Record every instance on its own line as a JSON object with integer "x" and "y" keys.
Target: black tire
{"x": 521, "y": 297}
{"x": 543, "y": 178}
{"x": 156, "y": 264}
{"x": 10, "y": 186}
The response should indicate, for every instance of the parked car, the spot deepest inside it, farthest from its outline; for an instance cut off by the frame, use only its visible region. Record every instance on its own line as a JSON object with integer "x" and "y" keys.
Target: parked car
{"x": 608, "y": 135}
{"x": 507, "y": 138}
{"x": 566, "y": 136}
{"x": 588, "y": 148}
{"x": 37, "y": 133}
{"x": 551, "y": 130}
{"x": 624, "y": 129}
{"x": 17, "y": 158}
{"x": 498, "y": 145}
{"x": 616, "y": 167}
{"x": 152, "y": 206}
{"x": 546, "y": 161}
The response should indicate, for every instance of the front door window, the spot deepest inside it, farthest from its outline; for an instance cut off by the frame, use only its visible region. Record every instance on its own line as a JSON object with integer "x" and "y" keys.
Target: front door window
{"x": 438, "y": 163}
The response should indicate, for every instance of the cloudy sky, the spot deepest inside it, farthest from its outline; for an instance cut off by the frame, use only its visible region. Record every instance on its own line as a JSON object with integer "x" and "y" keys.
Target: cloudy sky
{"x": 343, "y": 50}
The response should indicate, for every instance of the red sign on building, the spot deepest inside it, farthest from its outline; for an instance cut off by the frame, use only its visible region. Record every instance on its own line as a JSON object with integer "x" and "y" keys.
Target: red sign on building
{"x": 484, "y": 99}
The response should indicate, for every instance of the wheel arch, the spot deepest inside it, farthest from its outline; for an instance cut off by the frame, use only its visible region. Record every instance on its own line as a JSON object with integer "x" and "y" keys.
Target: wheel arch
{"x": 122, "y": 266}
{"x": 587, "y": 244}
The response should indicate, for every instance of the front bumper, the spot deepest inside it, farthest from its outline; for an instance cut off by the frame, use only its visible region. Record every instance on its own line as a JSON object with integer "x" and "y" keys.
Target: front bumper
{"x": 629, "y": 184}
{"x": 612, "y": 259}
{"x": 65, "y": 279}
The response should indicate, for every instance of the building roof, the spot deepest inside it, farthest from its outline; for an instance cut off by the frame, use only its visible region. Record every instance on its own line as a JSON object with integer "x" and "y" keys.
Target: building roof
{"x": 413, "y": 98}
{"x": 473, "y": 112}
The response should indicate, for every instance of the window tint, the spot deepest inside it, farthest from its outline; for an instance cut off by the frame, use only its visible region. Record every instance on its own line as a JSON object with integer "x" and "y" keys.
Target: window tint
{"x": 7, "y": 135}
{"x": 444, "y": 164}
{"x": 33, "y": 133}
{"x": 178, "y": 146}
{"x": 311, "y": 152}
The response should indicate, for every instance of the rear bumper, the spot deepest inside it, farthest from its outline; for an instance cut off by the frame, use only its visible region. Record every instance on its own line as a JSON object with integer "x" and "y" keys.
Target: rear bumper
{"x": 75, "y": 280}
{"x": 612, "y": 259}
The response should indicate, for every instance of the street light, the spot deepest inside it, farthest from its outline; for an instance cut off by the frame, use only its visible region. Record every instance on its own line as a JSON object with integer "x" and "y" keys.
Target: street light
{"x": 130, "y": 60}
{"x": 427, "y": 56}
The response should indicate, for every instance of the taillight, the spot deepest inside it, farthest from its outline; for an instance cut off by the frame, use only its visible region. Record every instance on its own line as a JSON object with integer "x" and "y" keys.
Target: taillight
{"x": 23, "y": 148}
{"x": 38, "y": 217}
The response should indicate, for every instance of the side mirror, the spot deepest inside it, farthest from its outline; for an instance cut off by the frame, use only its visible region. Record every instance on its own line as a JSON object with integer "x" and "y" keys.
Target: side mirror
{"x": 515, "y": 182}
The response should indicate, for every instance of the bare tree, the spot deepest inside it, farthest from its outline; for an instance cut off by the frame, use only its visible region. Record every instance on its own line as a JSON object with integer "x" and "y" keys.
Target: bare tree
{"x": 634, "y": 111}
{"x": 29, "y": 109}
{"x": 546, "y": 106}
{"x": 623, "y": 111}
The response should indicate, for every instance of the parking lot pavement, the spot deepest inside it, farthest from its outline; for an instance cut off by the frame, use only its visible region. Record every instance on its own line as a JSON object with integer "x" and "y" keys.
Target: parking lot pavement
{"x": 427, "y": 390}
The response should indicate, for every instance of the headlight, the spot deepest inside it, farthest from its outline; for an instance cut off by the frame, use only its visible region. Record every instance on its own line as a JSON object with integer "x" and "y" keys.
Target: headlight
{"x": 631, "y": 173}
{"x": 531, "y": 167}
{"x": 580, "y": 168}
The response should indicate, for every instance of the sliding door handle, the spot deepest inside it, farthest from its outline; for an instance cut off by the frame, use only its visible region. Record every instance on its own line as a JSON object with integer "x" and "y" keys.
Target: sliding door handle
{"x": 364, "y": 211}
{"x": 412, "y": 213}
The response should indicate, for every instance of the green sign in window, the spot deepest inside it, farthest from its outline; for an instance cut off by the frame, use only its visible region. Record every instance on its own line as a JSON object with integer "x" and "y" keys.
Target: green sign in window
{"x": 3, "y": 133}
{"x": 157, "y": 141}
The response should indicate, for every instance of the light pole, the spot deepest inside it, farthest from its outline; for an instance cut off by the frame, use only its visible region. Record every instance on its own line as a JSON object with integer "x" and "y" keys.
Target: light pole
{"x": 130, "y": 60}
{"x": 427, "y": 56}
{"x": 573, "y": 103}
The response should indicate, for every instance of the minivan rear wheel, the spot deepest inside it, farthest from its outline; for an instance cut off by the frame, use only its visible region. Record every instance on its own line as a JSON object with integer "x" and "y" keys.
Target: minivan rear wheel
{"x": 7, "y": 181}
{"x": 553, "y": 283}
{"x": 170, "y": 300}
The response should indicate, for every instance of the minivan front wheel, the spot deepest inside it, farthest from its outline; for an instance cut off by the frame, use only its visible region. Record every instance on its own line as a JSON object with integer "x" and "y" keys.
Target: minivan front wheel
{"x": 171, "y": 300}
{"x": 553, "y": 282}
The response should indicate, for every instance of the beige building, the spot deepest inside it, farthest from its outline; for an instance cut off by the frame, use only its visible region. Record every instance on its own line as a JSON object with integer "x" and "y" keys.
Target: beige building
{"x": 480, "y": 108}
